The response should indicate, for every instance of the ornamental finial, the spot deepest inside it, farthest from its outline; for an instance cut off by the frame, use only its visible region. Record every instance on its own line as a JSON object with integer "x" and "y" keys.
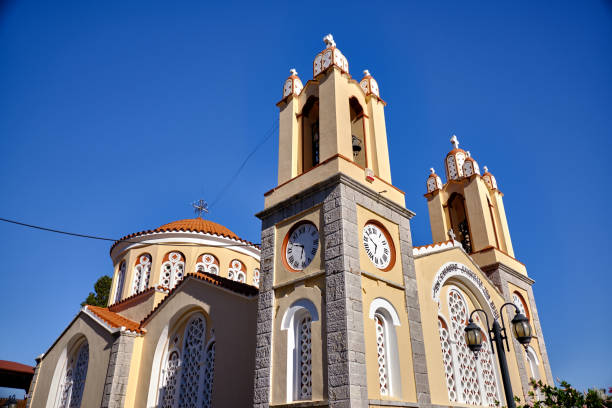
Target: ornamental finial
{"x": 486, "y": 169}
{"x": 200, "y": 207}
{"x": 366, "y": 72}
{"x": 293, "y": 71}
{"x": 431, "y": 170}
{"x": 468, "y": 154}
{"x": 329, "y": 41}
{"x": 455, "y": 141}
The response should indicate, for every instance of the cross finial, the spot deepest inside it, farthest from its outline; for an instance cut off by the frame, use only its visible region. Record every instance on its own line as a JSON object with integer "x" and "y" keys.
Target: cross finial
{"x": 486, "y": 169}
{"x": 455, "y": 141}
{"x": 468, "y": 154}
{"x": 293, "y": 71}
{"x": 200, "y": 207}
{"x": 451, "y": 234}
{"x": 366, "y": 72}
{"x": 432, "y": 171}
{"x": 329, "y": 41}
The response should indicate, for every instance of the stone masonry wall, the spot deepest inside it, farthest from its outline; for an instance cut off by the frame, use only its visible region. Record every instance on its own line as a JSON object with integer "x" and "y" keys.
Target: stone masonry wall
{"x": 118, "y": 371}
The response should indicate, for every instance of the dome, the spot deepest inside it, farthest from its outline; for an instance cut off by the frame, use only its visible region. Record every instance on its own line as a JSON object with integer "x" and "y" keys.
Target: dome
{"x": 434, "y": 182}
{"x": 293, "y": 84}
{"x": 328, "y": 57}
{"x": 369, "y": 84}
{"x": 470, "y": 166}
{"x": 197, "y": 225}
{"x": 454, "y": 161}
{"x": 489, "y": 179}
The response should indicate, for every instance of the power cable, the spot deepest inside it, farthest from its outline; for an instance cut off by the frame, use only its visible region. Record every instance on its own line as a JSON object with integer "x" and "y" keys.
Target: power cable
{"x": 74, "y": 234}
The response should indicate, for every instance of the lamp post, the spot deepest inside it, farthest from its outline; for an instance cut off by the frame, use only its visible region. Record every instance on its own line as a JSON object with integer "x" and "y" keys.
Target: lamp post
{"x": 497, "y": 334}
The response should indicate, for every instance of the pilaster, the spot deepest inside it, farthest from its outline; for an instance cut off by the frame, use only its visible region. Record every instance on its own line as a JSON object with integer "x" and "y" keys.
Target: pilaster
{"x": 115, "y": 386}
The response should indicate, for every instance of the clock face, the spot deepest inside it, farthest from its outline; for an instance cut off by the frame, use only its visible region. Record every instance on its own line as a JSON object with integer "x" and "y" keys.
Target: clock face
{"x": 377, "y": 246}
{"x": 302, "y": 245}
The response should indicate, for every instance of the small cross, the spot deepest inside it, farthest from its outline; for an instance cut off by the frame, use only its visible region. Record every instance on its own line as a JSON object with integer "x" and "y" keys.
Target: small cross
{"x": 455, "y": 141}
{"x": 293, "y": 72}
{"x": 329, "y": 41}
{"x": 200, "y": 207}
{"x": 451, "y": 234}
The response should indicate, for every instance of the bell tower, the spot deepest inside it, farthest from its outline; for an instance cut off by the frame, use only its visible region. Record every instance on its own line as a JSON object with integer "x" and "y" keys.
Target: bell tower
{"x": 335, "y": 237}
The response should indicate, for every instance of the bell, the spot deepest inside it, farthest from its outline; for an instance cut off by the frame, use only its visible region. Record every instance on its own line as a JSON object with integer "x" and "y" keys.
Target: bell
{"x": 356, "y": 146}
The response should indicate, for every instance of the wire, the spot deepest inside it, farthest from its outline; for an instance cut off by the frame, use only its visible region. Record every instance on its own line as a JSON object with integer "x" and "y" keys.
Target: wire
{"x": 74, "y": 234}
{"x": 235, "y": 176}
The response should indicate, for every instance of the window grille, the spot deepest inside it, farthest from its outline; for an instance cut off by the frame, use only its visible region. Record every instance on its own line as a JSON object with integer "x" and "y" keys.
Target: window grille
{"x": 192, "y": 357}
{"x": 447, "y": 359}
{"x": 256, "y": 277}
{"x": 173, "y": 269}
{"x": 74, "y": 378}
{"x": 170, "y": 380}
{"x": 142, "y": 273}
{"x": 208, "y": 263}
{"x": 209, "y": 374}
{"x": 236, "y": 271}
{"x": 304, "y": 350}
{"x": 381, "y": 347}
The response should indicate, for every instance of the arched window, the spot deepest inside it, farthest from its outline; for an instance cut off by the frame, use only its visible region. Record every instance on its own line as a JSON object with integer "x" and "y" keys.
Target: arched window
{"x": 298, "y": 322}
{"x": 385, "y": 319}
{"x": 532, "y": 359}
{"x": 459, "y": 221}
{"x": 357, "y": 132}
{"x": 120, "y": 280}
{"x": 173, "y": 269}
{"x": 256, "y": 277}
{"x": 142, "y": 273}
{"x": 188, "y": 373}
{"x": 310, "y": 135}
{"x": 469, "y": 380}
{"x": 237, "y": 271}
{"x": 75, "y": 374}
{"x": 208, "y": 263}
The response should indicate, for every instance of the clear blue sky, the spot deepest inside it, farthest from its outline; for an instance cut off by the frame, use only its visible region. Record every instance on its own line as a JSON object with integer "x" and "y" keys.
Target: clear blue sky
{"x": 115, "y": 115}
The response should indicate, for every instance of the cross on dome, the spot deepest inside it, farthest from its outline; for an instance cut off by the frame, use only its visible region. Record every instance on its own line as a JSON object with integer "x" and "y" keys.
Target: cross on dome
{"x": 293, "y": 71}
{"x": 432, "y": 171}
{"x": 200, "y": 207}
{"x": 329, "y": 41}
{"x": 366, "y": 72}
{"x": 455, "y": 141}
{"x": 486, "y": 169}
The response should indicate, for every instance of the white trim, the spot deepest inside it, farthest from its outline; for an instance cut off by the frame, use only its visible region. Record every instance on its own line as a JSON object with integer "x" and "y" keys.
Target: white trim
{"x": 100, "y": 321}
{"x": 170, "y": 237}
{"x": 435, "y": 247}
{"x": 380, "y": 303}
{"x": 58, "y": 375}
{"x": 287, "y": 321}
{"x": 155, "y": 376}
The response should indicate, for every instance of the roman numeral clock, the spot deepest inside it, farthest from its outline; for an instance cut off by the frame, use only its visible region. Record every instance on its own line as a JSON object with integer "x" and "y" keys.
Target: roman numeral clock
{"x": 300, "y": 245}
{"x": 378, "y": 245}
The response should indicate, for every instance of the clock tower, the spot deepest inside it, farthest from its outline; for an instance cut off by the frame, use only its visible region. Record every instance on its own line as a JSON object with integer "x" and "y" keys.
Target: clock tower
{"x": 338, "y": 312}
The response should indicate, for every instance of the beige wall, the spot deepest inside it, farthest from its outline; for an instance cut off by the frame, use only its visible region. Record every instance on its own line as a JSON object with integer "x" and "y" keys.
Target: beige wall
{"x": 233, "y": 318}
{"x": 100, "y": 343}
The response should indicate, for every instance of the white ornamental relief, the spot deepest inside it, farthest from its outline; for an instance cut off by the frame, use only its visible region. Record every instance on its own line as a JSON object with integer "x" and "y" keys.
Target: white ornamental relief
{"x": 452, "y": 167}
{"x": 305, "y": 359}
{"x": 364, "y": 86}
{"x": 173, "y": 270}
{"x": 209, "y": 376}
{"x": 381, "y": 348}
{"x": 142, "y": 273}
{"x": 256, "y": 277}
{"x": 318, "y": 67}
{"x": 120, "y": 281}
{"x": 170, "y": 381}
{"x": 288, "y": 88}
{"x": 236, "y": 271}
{"x": 468, "y": 169}
{"x": 447, "y": 359}
{"x": 207, "y": 263}
{"x": 327, "y": 59}
{"x": 519, "y": 303}
{"x": 192, "y": 356}
{"x": 373, "y": 86}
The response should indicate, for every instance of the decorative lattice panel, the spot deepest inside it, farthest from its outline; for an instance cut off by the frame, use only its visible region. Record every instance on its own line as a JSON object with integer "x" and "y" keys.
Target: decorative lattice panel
{"x": 79, "y": 374}
{"x": 173, "y": 269}
{"x": 381, "y": 347}
{"x": 489, "y": 382}
{"x": 142, "y": 273}
{"x": 193, "y": 350}
{"x": 209, "y": 376}
{"x": 208, "y": 263}
{"x": 447, "y": 359}
{"x": 256, "y": 277}
{"x": 237, "y": 271}
{"x": 170, "y": 381}
{"x": 468, "y": 385}
{"x": 66, "y": 387}
{"x": 305, "y": 359}
{"x": 120, "y": 280}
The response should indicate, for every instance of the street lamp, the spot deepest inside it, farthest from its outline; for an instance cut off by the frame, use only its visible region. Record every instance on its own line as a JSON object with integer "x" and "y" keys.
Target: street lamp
{"x": 522, "y": 332}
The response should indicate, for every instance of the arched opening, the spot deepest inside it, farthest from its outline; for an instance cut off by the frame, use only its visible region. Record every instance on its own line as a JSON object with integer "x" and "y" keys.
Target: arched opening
{"x": 297, "y": 321}
{"x": 310, "y": 135}
{"x": 357, "y": 132}
{"x": 385, "y": 319}
{"x": 74, "y": 363}
{"x": 459, "y": 221}
{"x": 237, "y": 271}
{"x": 207, "y": 263}
{"x": 120, "y": 282}
{"x": 173, "y": 269}
{"x": 142, "y": 273}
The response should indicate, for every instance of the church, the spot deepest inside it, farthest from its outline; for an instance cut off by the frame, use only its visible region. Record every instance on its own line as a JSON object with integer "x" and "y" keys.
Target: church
{"x": 335, "y": 307}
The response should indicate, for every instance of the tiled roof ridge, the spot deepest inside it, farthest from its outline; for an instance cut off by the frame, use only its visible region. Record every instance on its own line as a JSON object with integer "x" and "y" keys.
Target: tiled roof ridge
{"x": 234, "y": 286}
{"x": 113, "y": 319}
{"x": 130, "y": 298}
{"x": 167, "y": 228}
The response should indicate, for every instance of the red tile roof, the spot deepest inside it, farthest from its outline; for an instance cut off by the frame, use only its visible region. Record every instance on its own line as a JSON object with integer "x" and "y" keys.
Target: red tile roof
{"x": 16, "y": 367}
{"x": 115, "y": 320}
{"x": 190, "y": 225}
